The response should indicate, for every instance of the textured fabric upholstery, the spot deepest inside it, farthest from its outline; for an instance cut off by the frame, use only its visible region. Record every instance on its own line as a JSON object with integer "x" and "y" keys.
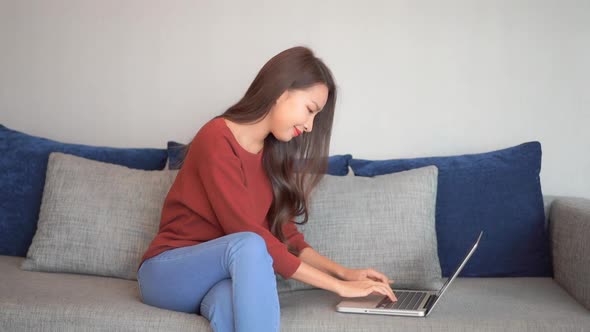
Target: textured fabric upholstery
{"x": 96, "y": 218}
{"x": 386, "y": 223}
{"x": 570, "y": 242}
{"x": 69, "y": 302}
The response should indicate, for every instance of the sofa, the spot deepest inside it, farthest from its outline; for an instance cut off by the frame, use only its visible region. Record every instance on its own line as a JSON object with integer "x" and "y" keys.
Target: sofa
{"x": 61, "y": 285}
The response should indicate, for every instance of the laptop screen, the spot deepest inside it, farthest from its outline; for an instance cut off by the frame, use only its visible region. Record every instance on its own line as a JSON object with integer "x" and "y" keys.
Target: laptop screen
{"x": 457, "y": 271}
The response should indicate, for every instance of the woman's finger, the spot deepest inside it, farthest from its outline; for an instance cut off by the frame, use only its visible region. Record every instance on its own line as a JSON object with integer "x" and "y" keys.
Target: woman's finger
{"x": 386, "y": 285}
{"x": 378, "y": 290}
{"x": 387, "y": 293}
{"x": 381, "y": 277}
{"x": 377, "y": 275}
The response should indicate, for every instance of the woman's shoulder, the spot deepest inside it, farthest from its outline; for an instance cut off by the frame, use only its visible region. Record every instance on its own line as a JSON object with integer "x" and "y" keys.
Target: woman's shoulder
{"x": 212, "y": 127}
{"x": 213, "y": 137}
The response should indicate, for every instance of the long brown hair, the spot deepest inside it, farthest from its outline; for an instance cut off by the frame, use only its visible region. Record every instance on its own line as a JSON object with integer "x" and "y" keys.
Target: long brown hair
{"x": 295, "y": 167}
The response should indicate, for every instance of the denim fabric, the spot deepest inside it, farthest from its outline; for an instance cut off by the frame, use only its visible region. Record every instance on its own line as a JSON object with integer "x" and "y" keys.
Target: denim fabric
{"x": 228, "y": 280}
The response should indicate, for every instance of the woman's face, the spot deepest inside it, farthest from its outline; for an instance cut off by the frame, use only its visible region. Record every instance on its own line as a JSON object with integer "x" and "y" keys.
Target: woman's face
{"x": 296, "y": 110}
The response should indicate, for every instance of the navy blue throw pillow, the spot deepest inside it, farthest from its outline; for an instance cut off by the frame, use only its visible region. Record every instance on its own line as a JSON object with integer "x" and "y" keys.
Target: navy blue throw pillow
{"x": 337, "y": 164}
{"x": 498, "y": 192}
{"x": 23, "y": 163}
{"x": 176, "y": 153}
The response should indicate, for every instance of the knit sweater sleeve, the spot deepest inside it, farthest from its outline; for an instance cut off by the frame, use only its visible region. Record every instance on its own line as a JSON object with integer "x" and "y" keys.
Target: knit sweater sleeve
{"x": 294, "y": 237}
{"x": 219, "y": 169}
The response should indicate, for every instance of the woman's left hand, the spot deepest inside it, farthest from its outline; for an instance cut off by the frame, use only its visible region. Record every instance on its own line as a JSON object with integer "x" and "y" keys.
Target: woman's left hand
{"x": 365, "y": 274}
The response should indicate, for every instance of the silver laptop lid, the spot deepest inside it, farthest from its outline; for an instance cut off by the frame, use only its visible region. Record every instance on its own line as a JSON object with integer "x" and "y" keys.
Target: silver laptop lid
{"x": 456, "y": 273}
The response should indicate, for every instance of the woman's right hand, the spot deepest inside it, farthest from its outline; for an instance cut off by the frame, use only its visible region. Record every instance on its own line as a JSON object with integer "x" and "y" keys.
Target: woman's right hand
{"x": 364, "y": 288}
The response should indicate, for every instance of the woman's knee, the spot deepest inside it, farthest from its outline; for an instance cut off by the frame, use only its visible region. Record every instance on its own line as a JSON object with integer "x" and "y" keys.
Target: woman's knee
{"x": 252, "y": 243}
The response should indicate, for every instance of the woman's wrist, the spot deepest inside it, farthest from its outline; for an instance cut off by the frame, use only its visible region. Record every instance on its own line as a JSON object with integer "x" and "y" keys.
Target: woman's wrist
{"x": 340, "y": 273}
{"x": 337, "y": 287}
{"x": 312, "y": 276}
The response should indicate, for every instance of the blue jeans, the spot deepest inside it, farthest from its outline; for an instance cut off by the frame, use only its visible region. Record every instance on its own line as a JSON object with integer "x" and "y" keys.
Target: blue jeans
{"x": 229, "y": 280}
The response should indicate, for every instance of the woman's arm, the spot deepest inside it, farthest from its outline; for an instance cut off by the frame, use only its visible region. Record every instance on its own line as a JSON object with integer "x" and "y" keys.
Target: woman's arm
{"x": 312, "y": 276}
{"x": 313, "y": 258}
{"x": 324, "y": 264}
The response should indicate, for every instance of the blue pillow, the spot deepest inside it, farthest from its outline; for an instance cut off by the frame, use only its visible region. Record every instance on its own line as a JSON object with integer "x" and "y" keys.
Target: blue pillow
{"x": 23, "y": 163}
{"x": 337, "y": 164}
{"x": 498, "y": 192}
{"x": 175, "y": 154}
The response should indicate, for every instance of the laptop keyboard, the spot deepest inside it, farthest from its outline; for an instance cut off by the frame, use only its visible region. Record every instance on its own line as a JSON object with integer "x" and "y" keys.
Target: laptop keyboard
{"x": 405, "y": 301}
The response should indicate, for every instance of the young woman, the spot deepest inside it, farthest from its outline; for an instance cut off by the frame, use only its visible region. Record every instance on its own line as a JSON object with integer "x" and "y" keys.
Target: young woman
{"x": 228, "y": 220}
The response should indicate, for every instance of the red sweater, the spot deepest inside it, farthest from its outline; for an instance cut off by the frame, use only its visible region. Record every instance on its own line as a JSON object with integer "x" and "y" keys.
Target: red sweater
{"x": 222, "y": 189}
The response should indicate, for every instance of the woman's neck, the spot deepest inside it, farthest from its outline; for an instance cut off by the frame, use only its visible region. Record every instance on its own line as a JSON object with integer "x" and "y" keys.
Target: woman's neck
{"x": 249, "y": 136}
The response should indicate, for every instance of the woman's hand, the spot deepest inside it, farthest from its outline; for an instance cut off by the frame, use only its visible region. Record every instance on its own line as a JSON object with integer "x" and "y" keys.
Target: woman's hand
{"x": 364, "y": 274}
{"x": 362, "y": 282}
{"x": 363, "y": 288}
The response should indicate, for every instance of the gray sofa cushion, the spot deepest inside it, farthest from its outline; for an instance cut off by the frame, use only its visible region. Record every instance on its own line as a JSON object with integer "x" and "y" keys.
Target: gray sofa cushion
{"x": 96, "y": 218}
{"x": 570, "y": 231}
{"x": 470, "y": 304}
{"x": 38, "y": 301}
{"x": 386, "y": 223}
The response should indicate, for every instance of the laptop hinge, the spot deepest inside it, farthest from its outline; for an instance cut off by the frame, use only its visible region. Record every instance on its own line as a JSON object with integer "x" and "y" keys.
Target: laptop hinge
{"x": 428, "y": 303}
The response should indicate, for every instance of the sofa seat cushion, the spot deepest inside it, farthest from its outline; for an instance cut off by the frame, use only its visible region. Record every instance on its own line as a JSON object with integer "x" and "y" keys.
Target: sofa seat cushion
{"x": 45, "y": 301}
{"x": 72, "y": 302}
{"x": 470, "y": 304}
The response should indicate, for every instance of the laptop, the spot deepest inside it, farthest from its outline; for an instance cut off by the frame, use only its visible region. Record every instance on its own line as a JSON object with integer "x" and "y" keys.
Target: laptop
{"x": 410, "y": 302}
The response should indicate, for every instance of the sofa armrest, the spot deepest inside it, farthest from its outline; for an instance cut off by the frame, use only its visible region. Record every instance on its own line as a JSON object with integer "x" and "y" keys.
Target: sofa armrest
{"x": 569, "y": 227}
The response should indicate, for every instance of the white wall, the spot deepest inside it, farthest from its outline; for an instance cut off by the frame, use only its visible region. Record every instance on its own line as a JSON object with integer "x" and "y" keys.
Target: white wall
{"x": 416, "y": 78}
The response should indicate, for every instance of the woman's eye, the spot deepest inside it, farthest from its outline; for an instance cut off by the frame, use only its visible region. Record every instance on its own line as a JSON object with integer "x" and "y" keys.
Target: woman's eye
{"x": 310, "y": 111}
